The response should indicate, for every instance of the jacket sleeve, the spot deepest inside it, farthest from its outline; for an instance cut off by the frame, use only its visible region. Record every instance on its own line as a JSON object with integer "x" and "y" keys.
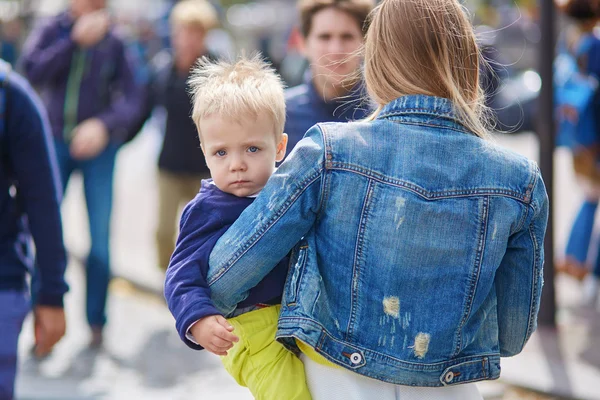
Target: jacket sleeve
{"x": 267, "y": 230}
{"x": 519, "y": 278}
{"x": 124, "y": 111}
{"x": 47, "y": 56}
{"x": 186, "y": 289}
{"x": 33, "y": 160}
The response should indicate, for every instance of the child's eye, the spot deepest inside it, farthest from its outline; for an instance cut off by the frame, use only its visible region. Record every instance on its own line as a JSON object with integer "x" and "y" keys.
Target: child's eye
{"x": 253, "y": 149}
{"x": 220, "y": 153}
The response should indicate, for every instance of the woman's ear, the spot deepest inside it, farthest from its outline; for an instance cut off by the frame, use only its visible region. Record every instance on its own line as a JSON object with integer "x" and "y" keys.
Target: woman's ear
{"x": 281, "y": 147}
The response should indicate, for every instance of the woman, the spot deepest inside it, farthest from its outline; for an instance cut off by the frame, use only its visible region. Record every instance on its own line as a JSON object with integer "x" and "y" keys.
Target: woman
{"x": 420, "y": 252}
{"x": 581, "y": 43}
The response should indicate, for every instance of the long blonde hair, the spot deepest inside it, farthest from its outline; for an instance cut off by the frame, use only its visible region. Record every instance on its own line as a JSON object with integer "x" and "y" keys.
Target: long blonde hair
{"x": 425, "y": 47}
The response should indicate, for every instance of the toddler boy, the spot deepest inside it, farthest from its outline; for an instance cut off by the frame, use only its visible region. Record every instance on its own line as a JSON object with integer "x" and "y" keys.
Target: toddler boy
{"x": 239, "y": 111}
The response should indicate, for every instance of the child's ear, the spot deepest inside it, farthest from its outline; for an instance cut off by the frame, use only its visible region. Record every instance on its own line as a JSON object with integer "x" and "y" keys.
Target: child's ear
{"x": 281, "y": 147}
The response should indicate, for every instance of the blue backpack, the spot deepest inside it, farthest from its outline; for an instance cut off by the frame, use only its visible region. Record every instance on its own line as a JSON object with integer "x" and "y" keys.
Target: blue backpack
{"x": 574, "y": 92}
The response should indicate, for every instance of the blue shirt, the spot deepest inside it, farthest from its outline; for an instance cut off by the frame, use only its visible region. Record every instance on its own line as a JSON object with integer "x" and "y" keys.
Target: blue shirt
{"x": 28, "y": 157}
{"x": 204, "y": 220}
{"x": 306, "y": 107}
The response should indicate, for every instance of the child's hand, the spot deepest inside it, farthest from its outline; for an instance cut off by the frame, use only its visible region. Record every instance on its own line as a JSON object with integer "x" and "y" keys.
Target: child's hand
{"x": 214, "y": 334}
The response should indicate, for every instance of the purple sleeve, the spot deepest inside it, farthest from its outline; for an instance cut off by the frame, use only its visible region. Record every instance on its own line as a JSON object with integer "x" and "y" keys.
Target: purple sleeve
{"x": 124, "y": 111}
{"x": 47, "y": 55}
{"x": 186, "y": 289}
{"x": 34, "y": 163}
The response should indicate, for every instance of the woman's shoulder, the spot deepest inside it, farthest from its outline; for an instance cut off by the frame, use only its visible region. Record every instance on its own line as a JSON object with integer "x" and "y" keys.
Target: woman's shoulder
{"x": 340, "y": 130}
{"x": 508, "y": 165}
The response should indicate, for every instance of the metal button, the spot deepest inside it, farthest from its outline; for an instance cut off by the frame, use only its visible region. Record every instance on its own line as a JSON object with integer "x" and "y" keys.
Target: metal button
{"x": 449, "y": 376}
{"x": 355, "y": 358}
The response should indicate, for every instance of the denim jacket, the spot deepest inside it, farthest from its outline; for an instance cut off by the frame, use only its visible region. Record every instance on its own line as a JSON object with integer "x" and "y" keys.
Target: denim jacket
{"x": 420, "y": 246}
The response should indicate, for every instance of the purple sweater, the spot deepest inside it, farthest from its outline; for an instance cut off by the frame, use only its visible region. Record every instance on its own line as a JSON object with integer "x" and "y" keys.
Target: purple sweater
{"x": 204, "y": 220}
{"x": 77, "y": 83}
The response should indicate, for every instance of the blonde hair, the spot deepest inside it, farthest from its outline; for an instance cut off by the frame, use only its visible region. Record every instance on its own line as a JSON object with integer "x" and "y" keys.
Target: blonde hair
{"x": 425, "y": 47}
{"x": 248, "y": 86}
{"x": 196, "y": 13}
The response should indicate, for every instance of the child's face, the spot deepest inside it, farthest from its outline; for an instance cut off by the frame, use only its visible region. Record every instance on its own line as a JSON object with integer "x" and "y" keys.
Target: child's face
{"x": 241, "y": 155}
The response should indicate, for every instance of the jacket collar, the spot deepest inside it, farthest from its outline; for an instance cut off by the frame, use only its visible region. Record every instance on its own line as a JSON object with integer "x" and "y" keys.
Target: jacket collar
{"x": 419, "y": 104}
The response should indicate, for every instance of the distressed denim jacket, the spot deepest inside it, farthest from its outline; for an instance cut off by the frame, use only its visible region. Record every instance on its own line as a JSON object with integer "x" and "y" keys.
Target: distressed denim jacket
{"x": 420, "y": 246}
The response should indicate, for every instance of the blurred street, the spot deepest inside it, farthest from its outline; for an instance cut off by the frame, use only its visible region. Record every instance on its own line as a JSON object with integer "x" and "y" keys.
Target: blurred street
{"x": 144, "y": 358}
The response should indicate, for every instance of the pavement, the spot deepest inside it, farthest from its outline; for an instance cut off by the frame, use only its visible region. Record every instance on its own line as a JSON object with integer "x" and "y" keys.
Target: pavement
{"x": 144, "y": 358}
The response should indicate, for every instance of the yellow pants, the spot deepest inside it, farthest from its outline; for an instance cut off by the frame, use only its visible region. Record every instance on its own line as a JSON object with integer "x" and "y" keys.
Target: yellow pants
{"x": 262, "y": 364}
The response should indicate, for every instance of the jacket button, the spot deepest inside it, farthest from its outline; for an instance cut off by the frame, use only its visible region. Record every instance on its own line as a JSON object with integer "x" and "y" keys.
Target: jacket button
{"x": 449, "y": 376}
{"x": 355, "y": 358}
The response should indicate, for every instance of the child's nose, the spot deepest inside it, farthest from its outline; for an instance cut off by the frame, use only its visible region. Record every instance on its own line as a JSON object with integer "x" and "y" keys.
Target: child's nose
{"x": 237, "y": 164}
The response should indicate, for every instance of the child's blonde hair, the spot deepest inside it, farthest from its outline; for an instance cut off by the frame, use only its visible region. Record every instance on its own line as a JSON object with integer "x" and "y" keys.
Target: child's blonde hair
{"x": 425, "y": 47}
{"x": 195, "y": 13}
{"x": 248, "y": 86}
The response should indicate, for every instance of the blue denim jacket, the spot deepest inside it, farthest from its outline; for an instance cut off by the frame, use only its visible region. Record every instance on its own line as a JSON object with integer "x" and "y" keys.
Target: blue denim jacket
{"x": 420, "y": 246}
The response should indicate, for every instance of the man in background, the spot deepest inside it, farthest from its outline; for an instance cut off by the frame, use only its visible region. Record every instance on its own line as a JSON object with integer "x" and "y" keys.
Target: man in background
{"x": 332, "y": 34}
{"x": 82, "y": 71}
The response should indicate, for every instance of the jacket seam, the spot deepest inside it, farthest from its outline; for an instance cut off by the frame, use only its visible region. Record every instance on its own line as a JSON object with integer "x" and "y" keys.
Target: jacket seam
{"x": 357, "y": 255}
{"x": 529, "y": 196}
{"x": 326, "y": 177}
{"x": 524, "y": 217}
{"x": 475, "y": 279}
{"x": 532, "y": 182}
{"x": 432, "y": 125}
{"x": 302, "y": 252}
{"x": 419, "y": 111}
{"x": 425, "y": 194}
{"x": 303, "y": 186}
{"x": 534, "y": 285}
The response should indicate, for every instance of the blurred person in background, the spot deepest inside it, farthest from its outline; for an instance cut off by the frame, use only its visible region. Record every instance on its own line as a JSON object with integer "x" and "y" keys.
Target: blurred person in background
{"x": 332, "y": 34}
{"x": 141, "y": 42}
{"x": 583, "y": 44}
{"x": 29, "y": 209}
{"x": 86, "y": 81}
{"x": 10, "y": 32}
{"x": 181, "y": 165}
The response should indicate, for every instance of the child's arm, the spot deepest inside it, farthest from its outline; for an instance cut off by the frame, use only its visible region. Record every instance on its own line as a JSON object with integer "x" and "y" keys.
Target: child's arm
{"x": 284, "y": 211}
{"x": 186, "y": 290}
{"x": 214, "y": 334}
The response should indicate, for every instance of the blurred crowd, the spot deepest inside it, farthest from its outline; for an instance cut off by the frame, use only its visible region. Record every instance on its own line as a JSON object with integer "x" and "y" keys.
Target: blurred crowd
{"x": 101, "y": 74}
